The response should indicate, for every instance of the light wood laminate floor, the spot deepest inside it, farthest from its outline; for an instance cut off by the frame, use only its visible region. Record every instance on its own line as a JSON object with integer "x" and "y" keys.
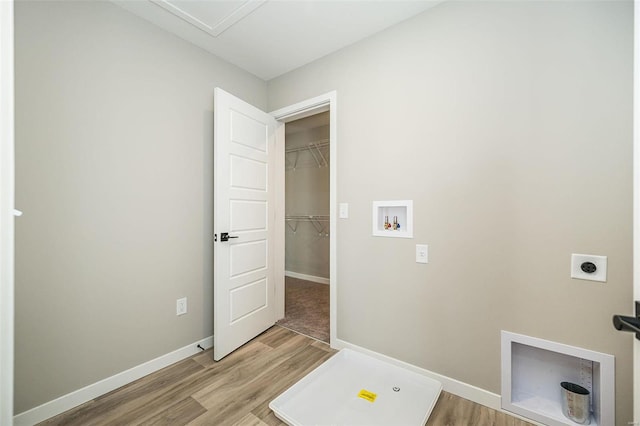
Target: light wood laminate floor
{"x": 238, "y": 389}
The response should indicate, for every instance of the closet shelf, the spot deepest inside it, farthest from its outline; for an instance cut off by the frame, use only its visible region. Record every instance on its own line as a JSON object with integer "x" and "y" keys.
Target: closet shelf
{"x": 319, "y": 222}
{"x": 315, "y": 149}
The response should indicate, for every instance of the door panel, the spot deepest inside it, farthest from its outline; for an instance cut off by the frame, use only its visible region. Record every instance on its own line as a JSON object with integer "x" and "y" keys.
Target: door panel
{"x": 248, "y": 131}
{"x": 248, "y": 299}
{"x": 248, "y": 174}
{"x": 248, "y": 215}
{"x": 248, "y": 257}
{"x": 244, "y": 154}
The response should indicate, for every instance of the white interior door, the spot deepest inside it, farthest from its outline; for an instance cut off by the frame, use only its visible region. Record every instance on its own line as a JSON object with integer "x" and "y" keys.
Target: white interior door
{"x": 244, "y": 209}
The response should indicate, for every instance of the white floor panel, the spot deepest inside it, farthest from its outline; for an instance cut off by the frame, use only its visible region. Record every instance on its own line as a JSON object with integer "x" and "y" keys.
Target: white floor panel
{"x": 355, "y": 389}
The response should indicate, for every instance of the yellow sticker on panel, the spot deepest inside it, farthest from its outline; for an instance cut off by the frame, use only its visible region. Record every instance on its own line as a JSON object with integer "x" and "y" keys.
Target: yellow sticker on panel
{"x": 369, "y": 396}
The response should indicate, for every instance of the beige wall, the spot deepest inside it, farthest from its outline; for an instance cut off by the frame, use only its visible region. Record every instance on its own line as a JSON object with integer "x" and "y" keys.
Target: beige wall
{"x": 510, "y": 126}
{"x": 307, "y": 193}
{"x": 114, "y": 175}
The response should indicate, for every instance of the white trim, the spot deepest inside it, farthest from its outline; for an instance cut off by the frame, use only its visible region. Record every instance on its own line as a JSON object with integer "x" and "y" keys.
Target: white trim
{"x": 80, "y": 396}
{"x": 293, "y": 112}
{"x": 7, "y": 189}
{"x": 312, "y": 278}
{"x": 305, "y": 108}
{"x": 279, "y": 223}
{"x": 456, "y": 387}
{"x": 636, "y": 204}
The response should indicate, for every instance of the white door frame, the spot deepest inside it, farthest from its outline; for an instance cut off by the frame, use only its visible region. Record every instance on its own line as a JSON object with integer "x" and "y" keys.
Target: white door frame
{"x": 636, "y": 205}
{"x": 7, "y": 165}
{"x": 312, "y": 106}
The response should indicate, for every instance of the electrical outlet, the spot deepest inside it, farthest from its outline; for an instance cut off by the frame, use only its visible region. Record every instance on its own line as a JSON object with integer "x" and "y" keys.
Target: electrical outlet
{"x": 181, "y": 306}
{"x": 422, "y": 253}
{"x": 589, "y": 267}
{"x": 344, "y": 211}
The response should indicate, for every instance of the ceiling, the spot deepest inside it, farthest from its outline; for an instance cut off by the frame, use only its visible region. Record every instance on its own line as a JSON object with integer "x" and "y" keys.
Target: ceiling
{"x": 271, "y": 37}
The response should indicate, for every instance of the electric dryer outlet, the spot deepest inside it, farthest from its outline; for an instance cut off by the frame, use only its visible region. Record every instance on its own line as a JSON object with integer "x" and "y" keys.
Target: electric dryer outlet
{"x": 589, "y": 267}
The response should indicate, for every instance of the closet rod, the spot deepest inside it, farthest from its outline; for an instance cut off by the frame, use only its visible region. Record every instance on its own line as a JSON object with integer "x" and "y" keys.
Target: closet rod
{"x": 321, "y": 218}
{"x": 324, "y": 161}
{"x": 319, "y": 144}
{"x": 316, "y": 220}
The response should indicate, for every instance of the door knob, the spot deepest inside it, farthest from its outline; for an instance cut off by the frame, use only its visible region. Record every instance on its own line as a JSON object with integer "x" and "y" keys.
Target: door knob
{"x": 224, "y": 236}
{"x": 631, "y": 324}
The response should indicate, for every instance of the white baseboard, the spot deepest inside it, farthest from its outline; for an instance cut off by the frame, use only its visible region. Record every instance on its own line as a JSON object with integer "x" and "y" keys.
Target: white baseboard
{"x": 80, "y": 396}
{"x": 306, "y": 277}
{"x": 450, "y": 385}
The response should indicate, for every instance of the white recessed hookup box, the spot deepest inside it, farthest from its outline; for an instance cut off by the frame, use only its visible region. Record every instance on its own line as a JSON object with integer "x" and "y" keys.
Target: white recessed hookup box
{"x": 393, "y": 218}
{"x": 533, "y": 368}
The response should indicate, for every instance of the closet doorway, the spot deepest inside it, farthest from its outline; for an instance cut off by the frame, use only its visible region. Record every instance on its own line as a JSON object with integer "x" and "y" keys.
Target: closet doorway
{"x": 307, "y": 226}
